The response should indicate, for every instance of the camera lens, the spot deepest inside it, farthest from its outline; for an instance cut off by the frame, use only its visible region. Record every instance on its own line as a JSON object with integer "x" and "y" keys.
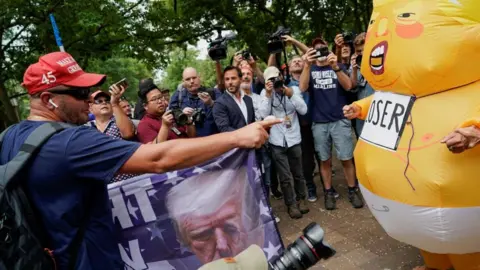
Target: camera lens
{"x": 305, "y": 252}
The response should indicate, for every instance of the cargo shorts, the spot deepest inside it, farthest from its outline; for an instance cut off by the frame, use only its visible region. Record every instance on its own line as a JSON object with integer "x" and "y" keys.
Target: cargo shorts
{"x": 339, "y": 133}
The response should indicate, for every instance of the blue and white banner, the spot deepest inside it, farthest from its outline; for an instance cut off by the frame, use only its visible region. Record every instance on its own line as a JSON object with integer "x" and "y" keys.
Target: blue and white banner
{"x": 183, "y": 219}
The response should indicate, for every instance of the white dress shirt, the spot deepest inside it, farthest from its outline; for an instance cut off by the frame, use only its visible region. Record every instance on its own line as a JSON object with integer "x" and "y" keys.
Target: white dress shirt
{"x": 241, "y": 104}
{"x": 257, "y": 100}
{"x": 284, "y": 106}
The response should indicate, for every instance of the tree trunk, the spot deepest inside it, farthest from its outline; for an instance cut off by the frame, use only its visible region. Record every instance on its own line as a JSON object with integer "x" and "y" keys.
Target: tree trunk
{"x": 10, "y": 115}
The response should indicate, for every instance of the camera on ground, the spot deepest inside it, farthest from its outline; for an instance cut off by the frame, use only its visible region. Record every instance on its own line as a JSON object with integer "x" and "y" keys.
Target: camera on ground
{"x": 305, "y": 252}
{"x": 275, "y": 43}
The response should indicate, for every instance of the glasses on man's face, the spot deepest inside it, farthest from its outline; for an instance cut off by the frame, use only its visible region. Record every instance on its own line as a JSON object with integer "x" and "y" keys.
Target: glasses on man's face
{"x": 101, "y": 101}
{"x": 157, "y": 99}
{"x": 77, "y": 93}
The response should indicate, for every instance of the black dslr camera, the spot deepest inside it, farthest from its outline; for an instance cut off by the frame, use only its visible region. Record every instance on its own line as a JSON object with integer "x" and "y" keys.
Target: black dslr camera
{"x": 217, "y": 49}
{"x": 245, "y": 54}
{"x": 275, "y": 42}
{"x": 322, "y": 52}
{"x": 305, "y": 252}
{"x": 181, "y": 119}
{"x": 348, "y": 37}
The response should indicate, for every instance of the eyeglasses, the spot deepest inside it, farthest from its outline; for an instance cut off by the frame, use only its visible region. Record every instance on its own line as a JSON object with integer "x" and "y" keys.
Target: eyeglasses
{"x": 101, "y": 101}
{"x": 77, "y": 93}
{"x": 157, "y": 98}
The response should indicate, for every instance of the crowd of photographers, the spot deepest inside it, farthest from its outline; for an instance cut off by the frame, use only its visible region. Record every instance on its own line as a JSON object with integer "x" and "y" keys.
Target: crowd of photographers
{"x": 308, "y": 92}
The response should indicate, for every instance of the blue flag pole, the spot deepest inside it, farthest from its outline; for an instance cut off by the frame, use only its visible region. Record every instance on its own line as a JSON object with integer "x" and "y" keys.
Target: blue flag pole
{"x": 56, "y": 33}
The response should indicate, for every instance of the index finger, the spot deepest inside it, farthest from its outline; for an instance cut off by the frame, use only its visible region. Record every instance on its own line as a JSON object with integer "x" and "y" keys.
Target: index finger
{"x": 448, "y": 137}
{"x": 270, "y": 122}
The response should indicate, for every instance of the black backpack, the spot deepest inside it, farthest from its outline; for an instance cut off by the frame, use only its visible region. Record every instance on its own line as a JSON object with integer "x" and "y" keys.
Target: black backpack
{"x": 23, "y": 240}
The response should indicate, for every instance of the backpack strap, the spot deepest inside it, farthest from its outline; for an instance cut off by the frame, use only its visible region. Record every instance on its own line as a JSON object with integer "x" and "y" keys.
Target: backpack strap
{"x": 33, "y": 142}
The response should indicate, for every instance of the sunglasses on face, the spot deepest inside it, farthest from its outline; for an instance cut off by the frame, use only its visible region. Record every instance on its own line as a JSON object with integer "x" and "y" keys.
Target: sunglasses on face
{"x": 77, "y": 93}
{"x": 101, "y": 101}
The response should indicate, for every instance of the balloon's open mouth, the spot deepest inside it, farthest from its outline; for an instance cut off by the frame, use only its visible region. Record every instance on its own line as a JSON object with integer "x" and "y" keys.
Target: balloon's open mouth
{"x": 377, "y": 58}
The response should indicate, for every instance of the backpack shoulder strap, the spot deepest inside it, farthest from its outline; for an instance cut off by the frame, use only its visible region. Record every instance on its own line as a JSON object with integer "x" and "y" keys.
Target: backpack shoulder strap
{"x": 33, "y": 142}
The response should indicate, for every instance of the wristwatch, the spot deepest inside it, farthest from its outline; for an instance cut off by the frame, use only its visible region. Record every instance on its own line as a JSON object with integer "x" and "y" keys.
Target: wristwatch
{"x": 337, "y": 70}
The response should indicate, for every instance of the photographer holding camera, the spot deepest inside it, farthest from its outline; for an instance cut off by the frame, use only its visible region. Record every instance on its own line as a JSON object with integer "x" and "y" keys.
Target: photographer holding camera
{"x": 195, "y": 100}
{"x": 286, "y": 102}
{"x": 157, "y": 125}
{"x": 244, "y": 59}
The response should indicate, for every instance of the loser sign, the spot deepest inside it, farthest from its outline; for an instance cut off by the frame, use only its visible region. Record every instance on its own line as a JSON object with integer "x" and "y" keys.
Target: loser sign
{"x": 386, "y": 119}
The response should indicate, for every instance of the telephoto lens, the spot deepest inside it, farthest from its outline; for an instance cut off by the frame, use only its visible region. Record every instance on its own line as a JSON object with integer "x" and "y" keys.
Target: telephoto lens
{"x": 305, "y": 252}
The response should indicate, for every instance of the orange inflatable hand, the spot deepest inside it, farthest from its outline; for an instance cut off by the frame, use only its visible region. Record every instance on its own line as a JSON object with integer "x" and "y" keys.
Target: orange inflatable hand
{"x": 364, "y": 104}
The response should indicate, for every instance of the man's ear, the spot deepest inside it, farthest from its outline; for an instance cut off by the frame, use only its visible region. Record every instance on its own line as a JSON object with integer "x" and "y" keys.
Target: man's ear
{"x": 45, "y": 99}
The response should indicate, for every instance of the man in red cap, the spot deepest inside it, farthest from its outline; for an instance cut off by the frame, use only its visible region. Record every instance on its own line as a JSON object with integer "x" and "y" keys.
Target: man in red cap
{"x": 66, "y": 180}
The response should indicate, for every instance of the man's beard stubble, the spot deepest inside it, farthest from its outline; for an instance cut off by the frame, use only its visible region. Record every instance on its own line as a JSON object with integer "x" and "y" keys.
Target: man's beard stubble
{"x": 245, "y": 86}
{"x": 70, "y": 115}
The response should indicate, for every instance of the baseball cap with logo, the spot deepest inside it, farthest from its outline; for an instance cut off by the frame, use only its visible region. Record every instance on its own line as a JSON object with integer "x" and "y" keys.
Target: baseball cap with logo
{"x": 99, "y": 93}
{"x": 271, "y": 72}
{"x": 55, "y": 69}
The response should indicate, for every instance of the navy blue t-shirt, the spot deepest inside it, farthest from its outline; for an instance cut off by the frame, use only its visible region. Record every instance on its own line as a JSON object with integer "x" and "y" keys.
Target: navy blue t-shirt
{"x": 327, "y": 94}
{"x": 70, "y": 173}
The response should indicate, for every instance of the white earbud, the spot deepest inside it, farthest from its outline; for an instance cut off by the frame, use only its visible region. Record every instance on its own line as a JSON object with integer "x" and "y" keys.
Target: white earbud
{"x": 53, "y": 103}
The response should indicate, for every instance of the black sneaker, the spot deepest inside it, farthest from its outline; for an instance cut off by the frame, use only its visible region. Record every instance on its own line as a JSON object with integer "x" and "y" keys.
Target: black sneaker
{"x": 355, "y": 198}
{"x": 330, "y": 201}
{"x": 294, "y": 212}
{"x": 335, "y": 193}
{"x": 312, "y": 196}
{"x": 277, "y": 195}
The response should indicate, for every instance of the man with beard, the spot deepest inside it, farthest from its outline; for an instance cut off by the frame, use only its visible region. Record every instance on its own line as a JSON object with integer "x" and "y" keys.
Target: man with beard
{"x": 157, "y": 124}
{"x": 66, "y": 178}
{"x": 234, "y": 109}
{"x": 246, "y": 87}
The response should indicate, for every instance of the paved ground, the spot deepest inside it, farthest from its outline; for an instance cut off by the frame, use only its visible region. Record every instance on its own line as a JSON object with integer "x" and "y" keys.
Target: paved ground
{"x": 361, "y": 244}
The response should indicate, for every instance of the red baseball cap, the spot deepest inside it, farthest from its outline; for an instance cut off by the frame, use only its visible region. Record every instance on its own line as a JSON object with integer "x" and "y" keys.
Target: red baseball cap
{"x": 99, "y": 93}
{"x": 58, "y": 68}
{"x": 319, "y": 40}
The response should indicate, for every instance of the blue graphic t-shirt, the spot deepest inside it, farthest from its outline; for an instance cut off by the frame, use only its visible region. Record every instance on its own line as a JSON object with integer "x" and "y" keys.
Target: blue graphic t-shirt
{"x": 67, "y": 182}
{"x": 328, "y": 96}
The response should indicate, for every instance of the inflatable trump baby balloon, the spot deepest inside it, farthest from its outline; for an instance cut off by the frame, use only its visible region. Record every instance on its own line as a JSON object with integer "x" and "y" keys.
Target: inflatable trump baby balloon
{"x": 422, "y": 57}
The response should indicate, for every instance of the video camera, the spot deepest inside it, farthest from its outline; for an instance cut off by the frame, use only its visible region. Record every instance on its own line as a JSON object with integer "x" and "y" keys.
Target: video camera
{"x": 302, "y": 254}
{"x": 275, "y": 42}
{"x": 217, "y": 49}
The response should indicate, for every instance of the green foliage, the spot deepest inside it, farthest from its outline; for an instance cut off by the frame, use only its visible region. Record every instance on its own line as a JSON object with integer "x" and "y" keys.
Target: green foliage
{"x": 155, "y": 32}
{"x": 180, "y": 59}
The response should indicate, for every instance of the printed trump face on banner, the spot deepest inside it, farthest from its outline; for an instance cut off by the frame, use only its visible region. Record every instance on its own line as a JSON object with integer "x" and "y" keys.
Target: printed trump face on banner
{"x": 214, "y": 216}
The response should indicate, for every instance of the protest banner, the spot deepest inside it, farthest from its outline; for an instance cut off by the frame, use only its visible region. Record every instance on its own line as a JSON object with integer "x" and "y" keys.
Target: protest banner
{"x": 183, "y": 219}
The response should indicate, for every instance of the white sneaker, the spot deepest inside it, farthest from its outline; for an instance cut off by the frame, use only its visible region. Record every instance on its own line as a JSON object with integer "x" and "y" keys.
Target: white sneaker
{"x": 277, "y": 219}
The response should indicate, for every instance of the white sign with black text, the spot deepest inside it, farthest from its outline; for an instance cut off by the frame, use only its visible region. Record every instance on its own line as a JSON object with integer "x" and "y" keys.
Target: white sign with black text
{"x": 386, "y": 119}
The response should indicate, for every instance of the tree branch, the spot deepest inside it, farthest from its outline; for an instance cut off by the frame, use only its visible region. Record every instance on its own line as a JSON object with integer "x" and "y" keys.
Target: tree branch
{"x": 14, "y": 38}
